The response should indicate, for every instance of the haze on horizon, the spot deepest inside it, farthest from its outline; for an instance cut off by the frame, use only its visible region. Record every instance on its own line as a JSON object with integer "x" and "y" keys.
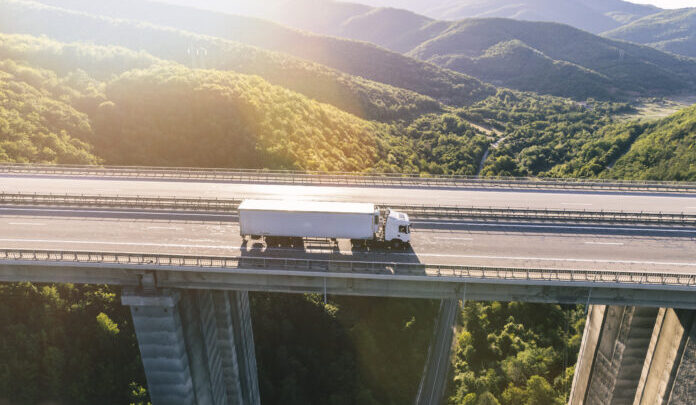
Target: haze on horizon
{"x": 667, "y": 3}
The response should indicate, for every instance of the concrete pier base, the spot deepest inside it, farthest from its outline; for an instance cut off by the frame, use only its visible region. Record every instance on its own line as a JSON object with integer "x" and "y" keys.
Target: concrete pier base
{"x": 636, "y": 356}
{"x": 669, "y": 371}
{"x": 196, "y": 346}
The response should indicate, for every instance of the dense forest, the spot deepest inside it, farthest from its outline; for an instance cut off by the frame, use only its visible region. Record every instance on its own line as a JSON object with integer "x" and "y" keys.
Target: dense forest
{"x": 134, "y": 95}
{"x": 516, "y": 353}
{"x": 67, "y": 343}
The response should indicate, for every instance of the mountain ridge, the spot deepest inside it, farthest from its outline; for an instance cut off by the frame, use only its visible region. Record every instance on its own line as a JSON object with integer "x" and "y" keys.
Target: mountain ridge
{"x": 671, "y": 30}
{"x": 595, "y": 16}
{"x": 350, "y": 93}
{"x": 351, "y": 57}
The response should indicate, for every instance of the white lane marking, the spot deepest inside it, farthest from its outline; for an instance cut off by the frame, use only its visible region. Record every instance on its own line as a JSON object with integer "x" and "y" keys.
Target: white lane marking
{"x": 448, "y": 238}
{"x": 604, "y": 243}
{"x": 166, "y": 228}
{"x": 26, "y": 224}
{"x": 185, "y": 214}
{"x": 558, "y": 259}
{"x": 521, "y": 225}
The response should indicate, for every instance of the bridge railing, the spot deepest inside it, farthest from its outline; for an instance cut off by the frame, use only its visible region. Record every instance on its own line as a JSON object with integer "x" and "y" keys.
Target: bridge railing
{"x": 129, "y": 202}
{"x": 345, "y": 178}
{"x": 415, "y": 211}
{"x": 622, "y": 279}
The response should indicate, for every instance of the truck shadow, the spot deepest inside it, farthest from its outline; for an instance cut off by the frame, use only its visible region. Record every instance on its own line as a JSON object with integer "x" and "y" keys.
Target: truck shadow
{"x": 326, "y": 251}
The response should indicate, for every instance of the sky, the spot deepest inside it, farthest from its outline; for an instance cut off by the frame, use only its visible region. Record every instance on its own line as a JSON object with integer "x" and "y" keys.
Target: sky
{"x": 667, "y": 3}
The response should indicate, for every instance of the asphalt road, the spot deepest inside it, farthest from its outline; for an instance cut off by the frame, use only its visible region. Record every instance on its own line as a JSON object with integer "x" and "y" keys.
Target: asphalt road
{"x": 455, "y": 243}
{"x": 538, "y": 199}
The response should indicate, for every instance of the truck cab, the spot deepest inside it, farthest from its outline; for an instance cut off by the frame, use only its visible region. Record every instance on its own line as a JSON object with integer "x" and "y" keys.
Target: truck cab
{"x": 397, "y": 229}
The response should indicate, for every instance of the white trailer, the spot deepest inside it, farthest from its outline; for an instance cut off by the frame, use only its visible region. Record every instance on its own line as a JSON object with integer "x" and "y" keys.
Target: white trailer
{"x": 283, "y": 221}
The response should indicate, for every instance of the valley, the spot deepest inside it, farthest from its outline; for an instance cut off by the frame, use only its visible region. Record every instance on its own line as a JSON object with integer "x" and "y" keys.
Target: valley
{"x": 467, "y": 88}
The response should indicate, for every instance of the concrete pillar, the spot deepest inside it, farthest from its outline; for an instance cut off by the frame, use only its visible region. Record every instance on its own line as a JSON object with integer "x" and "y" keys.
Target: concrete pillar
{"x": 227, "y": 346}
{"x": 611, "y": 362}
{"x": 434, "y": 380}
{"x": 669, "y": 371}
{"x": 246, "y": 351}
{"x": 588, "y": 347}
{"x": 200, "y": 335}
{"x": 190, "y": 343}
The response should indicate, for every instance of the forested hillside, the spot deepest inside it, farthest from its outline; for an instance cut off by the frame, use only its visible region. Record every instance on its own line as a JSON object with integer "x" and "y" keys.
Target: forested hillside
{"x": 658, "y": 150}
{"x": 670, "y": 30}
{"x": 532, "y": 56}
{"x": 155, "y": 117}
{"x": 548, "y": 58}
{"x": 100, "y": 63}
{"x": 37, "y": 122}
{"x": 355, "y": 58}
{"x": 350, "y": 93}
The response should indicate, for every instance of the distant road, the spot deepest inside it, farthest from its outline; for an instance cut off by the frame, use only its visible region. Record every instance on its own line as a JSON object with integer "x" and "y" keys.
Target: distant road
{"x": 537, "y": 199}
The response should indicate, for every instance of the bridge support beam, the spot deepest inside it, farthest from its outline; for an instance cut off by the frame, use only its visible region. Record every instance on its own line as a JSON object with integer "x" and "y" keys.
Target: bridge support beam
{"x": 196, "y": 346}
{"x": 636, "y": 356}
{"x": 434, "y": 380}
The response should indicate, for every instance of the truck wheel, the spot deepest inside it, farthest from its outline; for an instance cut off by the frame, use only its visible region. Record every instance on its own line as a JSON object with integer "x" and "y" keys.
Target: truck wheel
{"x": 396, "y": 244}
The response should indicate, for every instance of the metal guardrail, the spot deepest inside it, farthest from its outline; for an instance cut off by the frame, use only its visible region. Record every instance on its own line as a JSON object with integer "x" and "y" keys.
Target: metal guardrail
{"x": 345, "y": 178}
{"x": 547, "y": 215}
{"x": 415, "y": 211}
{"x": 127, "y": 202}
{"x": 626, "y": 279}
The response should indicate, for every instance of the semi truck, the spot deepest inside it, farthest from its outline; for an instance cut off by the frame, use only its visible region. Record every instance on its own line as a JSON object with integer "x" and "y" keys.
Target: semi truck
{"x": 283, "y": 222}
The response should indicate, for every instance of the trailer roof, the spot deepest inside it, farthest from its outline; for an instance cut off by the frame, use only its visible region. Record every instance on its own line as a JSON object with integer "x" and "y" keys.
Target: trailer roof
{"x": 307, "y": 206}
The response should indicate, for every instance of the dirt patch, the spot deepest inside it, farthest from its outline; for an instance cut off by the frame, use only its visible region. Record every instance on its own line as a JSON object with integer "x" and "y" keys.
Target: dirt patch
{"x": 651, "y": 109}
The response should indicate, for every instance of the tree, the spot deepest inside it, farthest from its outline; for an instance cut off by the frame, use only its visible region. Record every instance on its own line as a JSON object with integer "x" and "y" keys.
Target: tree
{"x": 539, "y": 392}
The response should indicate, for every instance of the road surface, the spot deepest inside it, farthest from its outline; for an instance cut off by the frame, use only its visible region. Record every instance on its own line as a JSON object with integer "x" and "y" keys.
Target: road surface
{"x": 537, "y": 199}
{"x": 434, "y": 242}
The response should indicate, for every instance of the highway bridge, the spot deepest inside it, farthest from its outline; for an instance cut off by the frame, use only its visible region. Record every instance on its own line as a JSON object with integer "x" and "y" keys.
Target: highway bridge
{"x": 170, "y": 238}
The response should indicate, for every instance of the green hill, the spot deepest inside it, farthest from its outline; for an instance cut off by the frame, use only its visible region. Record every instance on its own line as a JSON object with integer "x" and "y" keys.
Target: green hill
{"x": 517, "y": 65}
{"x": 629, "y": 69}
{"x": 352, "y": 57}
{"x": 99, "y": 62}
{"x": 664, "y": 150}
{"x": 671, "y": 30}
{"x": 435, "y": 143}
{"x": 37, "y": 122}
{"x": 658, "y": 150}
{"x": 166, "y": 114}
{"x": 157, "y": 117}
{"x": 350, "y": 93}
